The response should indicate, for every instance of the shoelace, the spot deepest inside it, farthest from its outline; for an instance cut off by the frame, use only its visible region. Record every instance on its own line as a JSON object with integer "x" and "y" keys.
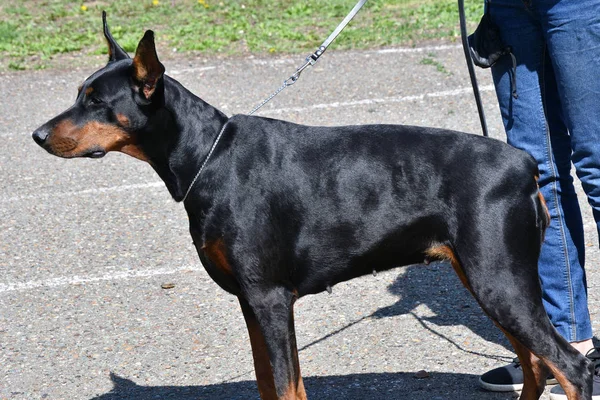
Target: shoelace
{"x": 516, "y": 362}
{"x": 594, "y": 355}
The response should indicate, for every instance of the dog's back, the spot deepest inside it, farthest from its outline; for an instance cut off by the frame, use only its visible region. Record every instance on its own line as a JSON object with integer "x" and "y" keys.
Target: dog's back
{"x": 338, "y": 202}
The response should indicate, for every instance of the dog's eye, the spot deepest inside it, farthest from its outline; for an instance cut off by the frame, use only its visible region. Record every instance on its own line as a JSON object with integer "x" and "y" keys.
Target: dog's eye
{"x": 95, "y": 100}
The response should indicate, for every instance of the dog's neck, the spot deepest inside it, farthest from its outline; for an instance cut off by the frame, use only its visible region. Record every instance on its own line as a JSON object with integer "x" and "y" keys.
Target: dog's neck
{"x": 183, "y": 131}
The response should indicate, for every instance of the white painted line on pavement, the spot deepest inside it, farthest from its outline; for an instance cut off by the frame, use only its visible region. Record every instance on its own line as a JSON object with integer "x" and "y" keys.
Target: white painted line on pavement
{"x": 290, "y": 59}
{"x": 190, "y": 69}
{"x": 383, "y": 100}
{"x": 81, "y": 280}
{"x": 419, "y": 49}
{"x": 120, "y": 188}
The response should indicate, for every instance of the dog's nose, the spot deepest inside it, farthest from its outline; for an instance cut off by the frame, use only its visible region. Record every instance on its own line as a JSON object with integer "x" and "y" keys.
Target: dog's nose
{"x": 40, "y": 135}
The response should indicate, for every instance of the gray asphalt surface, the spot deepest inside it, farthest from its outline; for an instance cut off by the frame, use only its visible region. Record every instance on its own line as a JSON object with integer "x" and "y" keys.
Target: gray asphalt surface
{"x": 85, "y": 246}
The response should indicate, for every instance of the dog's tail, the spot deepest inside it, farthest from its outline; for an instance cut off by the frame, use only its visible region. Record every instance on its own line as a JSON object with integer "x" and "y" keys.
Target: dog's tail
{"x": 541, "y": 211}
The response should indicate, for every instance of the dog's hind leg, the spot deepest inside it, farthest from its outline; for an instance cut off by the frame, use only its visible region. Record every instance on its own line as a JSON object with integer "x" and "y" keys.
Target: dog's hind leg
{"x": 270, "y": 322}
{"x": 503, "y": 279}
{"x": 539, "y": 346}
{"x": 535, "y": 372}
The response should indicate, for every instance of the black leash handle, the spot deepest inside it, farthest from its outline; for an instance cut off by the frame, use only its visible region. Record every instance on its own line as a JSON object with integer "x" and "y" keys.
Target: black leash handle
{"x": 465, "y": 43}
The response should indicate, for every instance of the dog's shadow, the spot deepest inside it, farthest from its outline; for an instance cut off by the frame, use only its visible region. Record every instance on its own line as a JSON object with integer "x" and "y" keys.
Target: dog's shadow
{"x": 437, "y": 287}
{"x": 392, "y": 386}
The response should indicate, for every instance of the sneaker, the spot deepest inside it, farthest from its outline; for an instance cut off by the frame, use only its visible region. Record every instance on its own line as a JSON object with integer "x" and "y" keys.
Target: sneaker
{"x": 507, "y": 378}
{"x": 557, "y": 393}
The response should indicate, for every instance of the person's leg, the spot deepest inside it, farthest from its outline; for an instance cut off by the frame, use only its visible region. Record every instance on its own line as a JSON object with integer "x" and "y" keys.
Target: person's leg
{"x": 534, "y": 123}
{"x": 572, "y": 33}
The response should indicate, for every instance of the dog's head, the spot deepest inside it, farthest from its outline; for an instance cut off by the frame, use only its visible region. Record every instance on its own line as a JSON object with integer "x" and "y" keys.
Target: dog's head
{"x": 112, "y": 105}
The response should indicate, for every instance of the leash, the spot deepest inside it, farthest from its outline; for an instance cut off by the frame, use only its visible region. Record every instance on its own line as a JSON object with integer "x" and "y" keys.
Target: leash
{"x": 312, "y": 59}
{"x": 463, "y": 35}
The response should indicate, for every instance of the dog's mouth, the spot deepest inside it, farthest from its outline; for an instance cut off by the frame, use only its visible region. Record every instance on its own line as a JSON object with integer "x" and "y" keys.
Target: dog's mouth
{"x": 92, "y": 153}
{"x": 95, "y": 154}
{"x": 67, "y": 147}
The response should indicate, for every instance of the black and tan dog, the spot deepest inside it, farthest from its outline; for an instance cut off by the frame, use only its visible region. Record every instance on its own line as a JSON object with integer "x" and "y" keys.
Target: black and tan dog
{"x": 278, "y": 210}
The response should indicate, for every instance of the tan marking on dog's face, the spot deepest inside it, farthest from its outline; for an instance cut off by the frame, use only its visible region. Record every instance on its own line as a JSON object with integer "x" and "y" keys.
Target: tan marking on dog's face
{"x": 135, "y": 151}
{"x": 123, "y": 120}
{"x": 69, "y": 140}
{"x": 89, "y": 91}
{"x": 61, "y": 141}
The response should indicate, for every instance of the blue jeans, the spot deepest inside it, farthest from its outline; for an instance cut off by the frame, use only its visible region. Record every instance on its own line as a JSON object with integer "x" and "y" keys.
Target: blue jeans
{"x": 556, "y": 118}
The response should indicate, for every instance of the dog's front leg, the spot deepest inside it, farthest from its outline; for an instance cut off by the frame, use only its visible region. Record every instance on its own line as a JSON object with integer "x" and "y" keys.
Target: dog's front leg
{"x": 270, "y": 320}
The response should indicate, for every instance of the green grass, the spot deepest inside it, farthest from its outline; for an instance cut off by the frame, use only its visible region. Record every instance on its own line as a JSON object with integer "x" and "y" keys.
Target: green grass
{"x": 430, "y": 60}
{"x": 33, "y": 33}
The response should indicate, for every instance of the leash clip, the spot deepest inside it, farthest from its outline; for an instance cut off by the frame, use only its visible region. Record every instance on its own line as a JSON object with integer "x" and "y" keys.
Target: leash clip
{"x": 312, "y": 59}
{"x": 292, "y": 79}
{"x": 315, "y": 56}
{"x": 309, "y": 61}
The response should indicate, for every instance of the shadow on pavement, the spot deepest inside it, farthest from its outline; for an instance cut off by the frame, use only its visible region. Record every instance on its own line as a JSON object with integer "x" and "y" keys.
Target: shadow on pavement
{"x": 437, "y": 287}
{"x": 391, "y": 386}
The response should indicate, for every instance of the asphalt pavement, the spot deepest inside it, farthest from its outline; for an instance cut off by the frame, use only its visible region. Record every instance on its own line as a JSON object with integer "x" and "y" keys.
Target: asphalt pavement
{"x": 86, "y": 247}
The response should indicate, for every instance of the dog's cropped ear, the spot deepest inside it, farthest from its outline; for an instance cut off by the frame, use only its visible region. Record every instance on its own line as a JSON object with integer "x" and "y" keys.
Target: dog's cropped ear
{"x": 147, "y": 70}
{"x": 115, "y": 52}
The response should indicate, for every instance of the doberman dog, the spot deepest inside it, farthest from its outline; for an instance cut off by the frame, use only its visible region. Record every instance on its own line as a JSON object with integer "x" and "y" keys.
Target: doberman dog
{"x": 279, "y": 210}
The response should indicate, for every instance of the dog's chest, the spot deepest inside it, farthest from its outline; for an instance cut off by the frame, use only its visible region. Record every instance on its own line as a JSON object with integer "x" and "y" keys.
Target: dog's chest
{"x": 214, "y": 257}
